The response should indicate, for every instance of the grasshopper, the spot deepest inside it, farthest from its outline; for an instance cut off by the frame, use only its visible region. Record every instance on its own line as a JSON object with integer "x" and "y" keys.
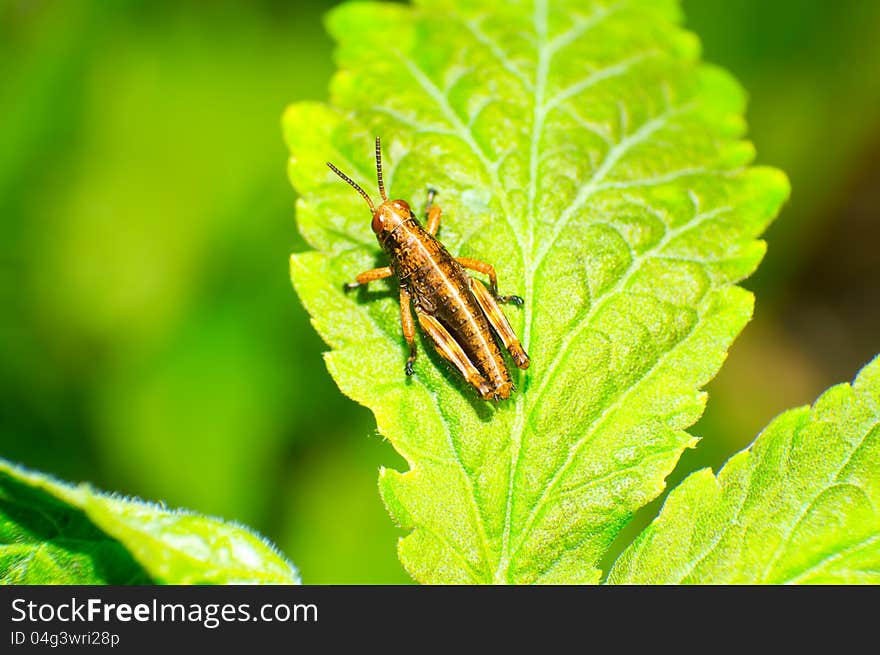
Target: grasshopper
{"x": 456, "y": 311}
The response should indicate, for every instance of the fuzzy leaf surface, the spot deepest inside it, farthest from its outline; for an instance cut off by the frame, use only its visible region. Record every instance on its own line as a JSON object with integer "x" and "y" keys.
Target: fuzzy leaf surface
{"x": 55, "y": 533}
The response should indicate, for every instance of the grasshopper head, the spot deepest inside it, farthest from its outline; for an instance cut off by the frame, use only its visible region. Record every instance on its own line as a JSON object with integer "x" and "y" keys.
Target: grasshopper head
{"x": 391, "y": 213}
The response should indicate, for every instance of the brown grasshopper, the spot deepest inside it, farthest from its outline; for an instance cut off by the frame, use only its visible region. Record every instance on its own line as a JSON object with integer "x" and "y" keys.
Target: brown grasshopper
{"x": 456, "y": 311}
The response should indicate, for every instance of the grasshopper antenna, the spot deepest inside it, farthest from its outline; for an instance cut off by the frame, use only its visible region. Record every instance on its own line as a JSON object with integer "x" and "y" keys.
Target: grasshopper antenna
{"x": 379, "y": 168}
{"x": 356, "y": 187}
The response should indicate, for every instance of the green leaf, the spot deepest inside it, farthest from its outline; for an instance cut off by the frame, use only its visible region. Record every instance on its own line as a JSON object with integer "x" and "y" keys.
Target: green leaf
{"x": 51, "y": 532}
{"x": 44, "y": 540}
{"x": 800, "y": 505}
{"x": 582, "y": 149}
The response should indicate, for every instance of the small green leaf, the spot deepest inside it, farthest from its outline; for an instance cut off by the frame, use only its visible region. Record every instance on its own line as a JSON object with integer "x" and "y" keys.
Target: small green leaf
{"x": 800, "y": 505}
{"x": 51, "y": 532}
{"x": 583, "y": 150}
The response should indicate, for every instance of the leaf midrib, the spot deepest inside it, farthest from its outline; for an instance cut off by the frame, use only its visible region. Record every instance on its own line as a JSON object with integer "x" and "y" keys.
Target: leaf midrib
{"x": 539, "y": 86}
{"x": 587, "y": 190}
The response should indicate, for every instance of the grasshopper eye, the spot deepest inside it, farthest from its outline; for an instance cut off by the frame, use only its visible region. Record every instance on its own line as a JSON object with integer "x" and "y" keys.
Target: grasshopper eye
{"x": 378, "y": 222}
{"x": 403, "y": 206}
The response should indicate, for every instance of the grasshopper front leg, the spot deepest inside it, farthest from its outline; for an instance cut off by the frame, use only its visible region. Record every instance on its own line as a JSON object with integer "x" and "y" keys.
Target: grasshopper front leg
{"x": 432, "y": 214}
{"x": 406, "y": 319}
{"x": 369, "y": 276}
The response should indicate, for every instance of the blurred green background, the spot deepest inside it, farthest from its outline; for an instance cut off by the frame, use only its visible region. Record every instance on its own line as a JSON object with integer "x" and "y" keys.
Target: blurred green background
{"x": 150, "y": 341}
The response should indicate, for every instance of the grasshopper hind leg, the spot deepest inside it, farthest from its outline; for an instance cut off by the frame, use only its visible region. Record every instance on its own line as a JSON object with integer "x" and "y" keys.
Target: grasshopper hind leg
{"x": 499, "y": 323}
{"x": 452, "y": 352}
